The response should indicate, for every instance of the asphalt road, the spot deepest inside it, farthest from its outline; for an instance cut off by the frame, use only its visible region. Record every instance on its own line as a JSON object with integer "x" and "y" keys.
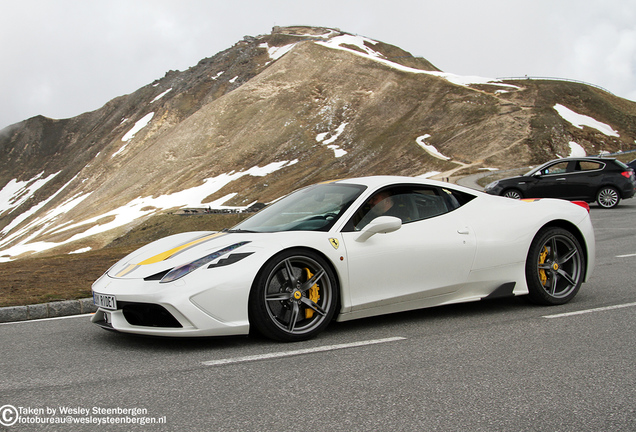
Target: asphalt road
{"x": 502, "y": 365}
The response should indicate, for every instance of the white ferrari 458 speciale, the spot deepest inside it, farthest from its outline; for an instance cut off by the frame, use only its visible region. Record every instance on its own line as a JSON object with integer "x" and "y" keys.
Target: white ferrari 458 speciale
{"x": 349, "y": 249}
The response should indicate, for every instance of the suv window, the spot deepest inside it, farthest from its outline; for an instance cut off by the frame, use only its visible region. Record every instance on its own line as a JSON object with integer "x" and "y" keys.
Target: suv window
{"x": 557, "y": 168}
{"x": 587, "y": 166}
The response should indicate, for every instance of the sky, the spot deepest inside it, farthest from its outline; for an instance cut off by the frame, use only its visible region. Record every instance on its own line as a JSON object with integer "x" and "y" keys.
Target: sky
{"x": 61, "y": 58}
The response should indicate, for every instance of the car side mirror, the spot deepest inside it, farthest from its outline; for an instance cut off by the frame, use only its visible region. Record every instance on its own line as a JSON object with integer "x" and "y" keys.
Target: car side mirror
{"x": 379, "y": 225}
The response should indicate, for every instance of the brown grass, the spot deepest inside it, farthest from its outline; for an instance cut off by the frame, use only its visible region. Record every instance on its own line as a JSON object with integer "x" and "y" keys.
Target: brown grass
{"x": 62, "y": 277}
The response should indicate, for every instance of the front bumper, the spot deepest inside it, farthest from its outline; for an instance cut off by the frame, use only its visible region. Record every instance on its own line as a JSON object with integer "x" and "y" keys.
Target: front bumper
{"x": 175, "y": 309}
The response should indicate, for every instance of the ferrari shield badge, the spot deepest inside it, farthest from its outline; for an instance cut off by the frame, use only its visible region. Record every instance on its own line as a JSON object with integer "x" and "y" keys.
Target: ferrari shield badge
{"x": 334, "y": 242}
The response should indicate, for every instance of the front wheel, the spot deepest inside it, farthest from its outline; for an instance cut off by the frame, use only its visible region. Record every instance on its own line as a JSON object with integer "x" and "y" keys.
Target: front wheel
{"x": 555, "y": 267}
{"x": 294, "y": 296}
{"x": 512, "y": 193}
{"x": 608, "y": 197}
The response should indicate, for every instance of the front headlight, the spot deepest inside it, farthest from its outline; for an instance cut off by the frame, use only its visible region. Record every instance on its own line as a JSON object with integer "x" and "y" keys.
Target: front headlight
{"x": 492, "y": 185}
{"x": 181, "y": 271}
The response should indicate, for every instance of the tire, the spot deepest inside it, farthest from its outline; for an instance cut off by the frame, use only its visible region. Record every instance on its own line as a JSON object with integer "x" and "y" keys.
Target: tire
{"x": 512, "y": 193}
{"x": 555, "y": 267}
{"x": 293, "y": 308}
{"x": 608, "y": 197}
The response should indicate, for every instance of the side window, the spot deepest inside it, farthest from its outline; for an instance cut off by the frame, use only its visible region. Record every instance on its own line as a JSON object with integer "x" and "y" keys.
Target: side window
{"x": 456, "y": 199}
{"x": 557, "y": 168}
{"x": 588, "y": 166}
{"x": 430, "y": 203}
{"x": 409, "y": 204}
{"x": 386, "y": 202}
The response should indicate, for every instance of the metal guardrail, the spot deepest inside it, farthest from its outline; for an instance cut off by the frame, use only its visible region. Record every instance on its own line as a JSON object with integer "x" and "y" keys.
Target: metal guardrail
{"x": 526, "y": 77}
{"x": 613, "y": 154}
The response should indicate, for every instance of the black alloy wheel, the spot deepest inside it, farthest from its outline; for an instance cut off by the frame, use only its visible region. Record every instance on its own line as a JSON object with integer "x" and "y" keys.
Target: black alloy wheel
{"x": 555, "y": 267}
{"x": 294, "y": 297}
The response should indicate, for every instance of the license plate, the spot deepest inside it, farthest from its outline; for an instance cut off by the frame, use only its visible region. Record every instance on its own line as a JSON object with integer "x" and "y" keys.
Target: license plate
{"x": 105, "y": 301}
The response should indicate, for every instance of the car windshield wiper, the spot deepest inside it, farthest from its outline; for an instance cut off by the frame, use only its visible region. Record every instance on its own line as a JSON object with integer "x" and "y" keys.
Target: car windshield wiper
{"x": 225, "y": 230}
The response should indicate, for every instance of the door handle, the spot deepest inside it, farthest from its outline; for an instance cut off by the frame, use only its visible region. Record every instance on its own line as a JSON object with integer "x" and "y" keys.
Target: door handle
{"x": 464, "y": 231}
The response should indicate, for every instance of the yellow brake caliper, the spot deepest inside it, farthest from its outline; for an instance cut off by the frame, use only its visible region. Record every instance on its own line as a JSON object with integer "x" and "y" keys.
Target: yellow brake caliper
{"x": 542, "y": 257}
{"x": 312, "y": 294}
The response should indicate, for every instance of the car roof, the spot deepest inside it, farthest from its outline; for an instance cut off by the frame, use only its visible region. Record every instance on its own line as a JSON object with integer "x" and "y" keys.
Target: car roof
{"x": 599, "y": 159}
{"x": 375, "y": 182}
{"x": 594, "y": 158}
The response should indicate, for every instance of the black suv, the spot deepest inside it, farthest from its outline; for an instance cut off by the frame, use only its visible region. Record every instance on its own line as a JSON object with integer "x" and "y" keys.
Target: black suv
{"x": 589, "y": 179}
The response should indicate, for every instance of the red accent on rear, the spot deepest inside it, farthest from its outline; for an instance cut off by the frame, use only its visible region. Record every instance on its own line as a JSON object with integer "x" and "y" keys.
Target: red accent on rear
{"x": 627, "y": 174}
{"x": 583, "y": 204}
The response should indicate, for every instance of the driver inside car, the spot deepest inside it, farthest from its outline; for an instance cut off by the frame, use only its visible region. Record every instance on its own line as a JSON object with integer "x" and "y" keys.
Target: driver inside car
{"x": 380, "y": 204}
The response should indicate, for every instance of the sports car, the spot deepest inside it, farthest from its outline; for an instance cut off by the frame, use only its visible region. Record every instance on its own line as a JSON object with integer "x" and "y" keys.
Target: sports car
{"x": 349, "y": 249}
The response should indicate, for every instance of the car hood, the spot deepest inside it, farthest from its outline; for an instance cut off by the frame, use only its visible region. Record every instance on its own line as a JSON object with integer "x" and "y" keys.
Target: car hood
{"x": 170, "y": 252}
{"x": 515, "y": 180}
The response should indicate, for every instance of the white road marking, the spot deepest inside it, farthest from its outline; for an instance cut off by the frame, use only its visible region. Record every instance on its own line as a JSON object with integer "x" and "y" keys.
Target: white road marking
{"x": 601, "y": 309}
{"x": 299, "y": 352}
{"x": 626, "y": 256}
{"x": 47, "y": 319}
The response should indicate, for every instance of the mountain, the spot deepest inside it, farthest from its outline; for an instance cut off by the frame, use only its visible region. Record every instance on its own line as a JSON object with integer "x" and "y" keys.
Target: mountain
{"x": 274, "y": 113}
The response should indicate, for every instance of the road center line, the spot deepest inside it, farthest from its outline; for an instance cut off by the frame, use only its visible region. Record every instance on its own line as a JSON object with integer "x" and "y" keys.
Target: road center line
{"x": 581, "y": 312}
{"x": 626, "y": 256}
{"x": 299, "y": 352}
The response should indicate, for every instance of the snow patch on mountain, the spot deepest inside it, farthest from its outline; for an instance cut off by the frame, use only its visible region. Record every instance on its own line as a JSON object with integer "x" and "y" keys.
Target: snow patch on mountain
{"x": 338, "y": 152}
{"x": 139, "y": 125}
{"x": 421, "y": 141}
{"x": 161, "y": 95}
{"x": 339, "y": 43}
{"x": 576, "y": 150}
{"x": 580, "y": 120}
{"x": 38, "y": 226}
{"x": 15, "y": 193}
{"x": 137, "y": 208}
{"x": 276, "y": 52}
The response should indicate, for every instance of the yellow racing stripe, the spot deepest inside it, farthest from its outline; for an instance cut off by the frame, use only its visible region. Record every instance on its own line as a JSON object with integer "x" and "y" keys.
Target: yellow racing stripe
{"x": 127, "y": 270}
{"x": 167, "y": 254}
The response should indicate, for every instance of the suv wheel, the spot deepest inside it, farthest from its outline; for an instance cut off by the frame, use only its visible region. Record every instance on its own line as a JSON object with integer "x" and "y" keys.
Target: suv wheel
{"x": 608, "y": 197}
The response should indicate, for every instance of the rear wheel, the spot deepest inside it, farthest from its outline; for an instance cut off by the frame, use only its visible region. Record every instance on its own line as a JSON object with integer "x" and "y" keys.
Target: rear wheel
{"x": 608, "y": 197}
{"x": 294, "y": 296}
{"x": 555, "y": 267}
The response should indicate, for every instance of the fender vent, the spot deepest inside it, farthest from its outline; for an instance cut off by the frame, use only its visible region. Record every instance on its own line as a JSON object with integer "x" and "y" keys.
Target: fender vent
{"x": 157, "y": 276}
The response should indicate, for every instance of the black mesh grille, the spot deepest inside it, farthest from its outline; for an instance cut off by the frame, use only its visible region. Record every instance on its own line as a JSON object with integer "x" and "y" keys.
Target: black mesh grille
{"x": 148, "y": 315}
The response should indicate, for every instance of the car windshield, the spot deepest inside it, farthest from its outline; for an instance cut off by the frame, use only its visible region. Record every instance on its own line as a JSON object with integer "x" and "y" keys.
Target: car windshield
{"x": 532, "y": 171}
{"x": 315, "y": 208}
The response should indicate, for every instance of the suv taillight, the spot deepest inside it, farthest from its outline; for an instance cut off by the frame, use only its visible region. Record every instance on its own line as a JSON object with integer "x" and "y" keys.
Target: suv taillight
{"x": 627, "y": 174}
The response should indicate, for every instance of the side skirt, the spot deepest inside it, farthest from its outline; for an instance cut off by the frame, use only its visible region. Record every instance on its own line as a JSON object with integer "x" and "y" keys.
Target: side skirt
{"x": 505, "y": 290}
